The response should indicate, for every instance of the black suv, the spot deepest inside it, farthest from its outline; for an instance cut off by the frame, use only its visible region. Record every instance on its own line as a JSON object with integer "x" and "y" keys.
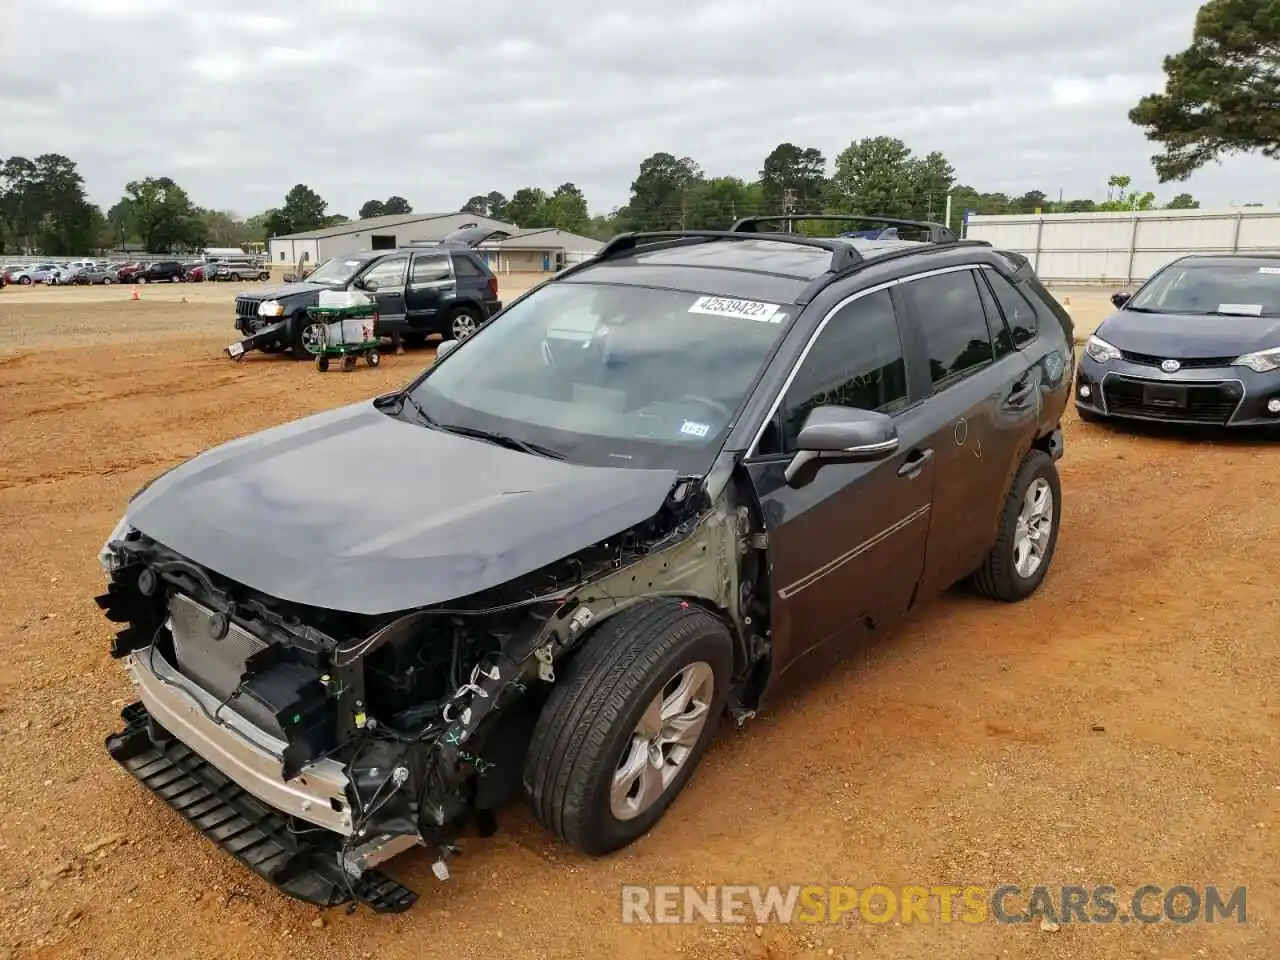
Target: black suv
{"x": 445, "y": 288}
{"x": 161, "y": 270}
{"x": 675, "y": 479}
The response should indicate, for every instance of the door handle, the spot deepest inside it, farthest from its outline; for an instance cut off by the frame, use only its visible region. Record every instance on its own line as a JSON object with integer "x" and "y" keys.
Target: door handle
{"x": 915, "y": 462}
{"x": 1020, "y": 392}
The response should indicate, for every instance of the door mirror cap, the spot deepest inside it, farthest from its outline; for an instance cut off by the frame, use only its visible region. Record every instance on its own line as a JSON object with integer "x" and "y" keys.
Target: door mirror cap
{"x": 843, "y": 434}
{"x": 445, "y": 348}
{"x": 1120, "y": 299}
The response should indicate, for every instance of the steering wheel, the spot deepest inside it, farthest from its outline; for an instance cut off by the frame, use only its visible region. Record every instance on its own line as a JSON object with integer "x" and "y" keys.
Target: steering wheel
{"x": 715, "y": 405}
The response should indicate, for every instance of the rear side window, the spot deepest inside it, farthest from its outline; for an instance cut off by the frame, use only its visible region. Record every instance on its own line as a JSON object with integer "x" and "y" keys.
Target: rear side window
{"x": 464, "y": 266}
{"x": 948, "y": 310}
{"x": 857, "y": 361}
{"x": 1018, "y": 312}
{"x": 430, "y": 267}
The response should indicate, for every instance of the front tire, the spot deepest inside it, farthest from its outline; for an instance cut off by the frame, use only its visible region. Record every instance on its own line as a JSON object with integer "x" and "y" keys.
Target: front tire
{"x": 1028, "y": 533}
{"x": 305, "y": 334}
{"x": 627, "y": 723}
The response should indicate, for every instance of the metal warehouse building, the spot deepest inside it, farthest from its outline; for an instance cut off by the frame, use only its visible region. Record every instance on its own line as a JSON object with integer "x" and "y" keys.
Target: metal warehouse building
{"x": 1128, "y": 247}
{"x": 375, "y": 233}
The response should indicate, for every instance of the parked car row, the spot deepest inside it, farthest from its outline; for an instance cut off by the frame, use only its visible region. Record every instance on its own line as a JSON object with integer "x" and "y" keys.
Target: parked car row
{"x": 83, "y": 272}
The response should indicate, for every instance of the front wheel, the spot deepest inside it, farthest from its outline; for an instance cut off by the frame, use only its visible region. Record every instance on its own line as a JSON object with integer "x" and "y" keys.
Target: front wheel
{"x": 139, "y": 279}
{"x": 234, "y": 278}
{"x": 627, "y": 723}
{"x": 1028, "y": 533}
{"x": 307, "y": 337}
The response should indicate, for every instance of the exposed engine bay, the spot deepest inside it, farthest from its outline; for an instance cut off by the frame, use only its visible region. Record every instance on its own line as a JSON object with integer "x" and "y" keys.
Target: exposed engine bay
{"x": 314, "y": 744}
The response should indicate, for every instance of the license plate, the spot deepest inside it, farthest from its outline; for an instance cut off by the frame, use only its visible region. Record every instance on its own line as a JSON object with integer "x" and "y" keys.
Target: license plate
{"x": 1163, "y": 395}
{"x": 235, "y": 350}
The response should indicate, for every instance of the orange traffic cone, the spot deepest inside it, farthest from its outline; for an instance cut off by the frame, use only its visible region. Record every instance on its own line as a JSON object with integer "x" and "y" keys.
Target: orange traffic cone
{"x": 135, "y": 294}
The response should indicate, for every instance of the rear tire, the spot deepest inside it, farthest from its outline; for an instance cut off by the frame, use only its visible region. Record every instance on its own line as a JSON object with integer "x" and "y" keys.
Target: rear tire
{"x": 462, "y": 322}
{"x": 589, "y": 773}
{"x": 1025, "y": 530}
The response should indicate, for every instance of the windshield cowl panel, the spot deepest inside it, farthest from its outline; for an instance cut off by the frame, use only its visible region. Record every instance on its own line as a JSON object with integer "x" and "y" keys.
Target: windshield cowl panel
{"x": 610, "y": 375}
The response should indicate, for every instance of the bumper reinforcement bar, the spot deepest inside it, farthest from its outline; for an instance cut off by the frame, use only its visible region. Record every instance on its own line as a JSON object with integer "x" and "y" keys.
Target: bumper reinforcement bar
{"x": 301, "y": 866}
{"x": 255, "y": 341}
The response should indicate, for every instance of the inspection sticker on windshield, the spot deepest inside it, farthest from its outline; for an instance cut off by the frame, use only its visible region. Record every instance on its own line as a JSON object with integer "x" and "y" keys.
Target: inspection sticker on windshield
{"x": 1269, "y": 269}
{"x": 692, "y": 429}
{"x": 738, "y": 309}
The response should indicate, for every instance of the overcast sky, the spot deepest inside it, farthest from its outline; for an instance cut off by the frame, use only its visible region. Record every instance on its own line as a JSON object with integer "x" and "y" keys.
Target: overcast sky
{"x": 438, "y": 100}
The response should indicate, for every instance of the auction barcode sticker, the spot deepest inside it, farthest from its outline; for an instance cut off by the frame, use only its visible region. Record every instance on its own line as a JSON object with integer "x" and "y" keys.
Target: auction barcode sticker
{"x": 1269, "y": 269}
{"x": 738, "y": 309}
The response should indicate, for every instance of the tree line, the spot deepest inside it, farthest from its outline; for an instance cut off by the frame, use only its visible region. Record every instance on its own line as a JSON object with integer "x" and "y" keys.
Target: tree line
{"x": 1221, "y": 96}
{"x": 44, "y": 208}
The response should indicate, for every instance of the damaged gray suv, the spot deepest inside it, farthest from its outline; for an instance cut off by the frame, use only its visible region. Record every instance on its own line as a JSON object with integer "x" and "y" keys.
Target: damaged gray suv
{"x": 664, "y": 486}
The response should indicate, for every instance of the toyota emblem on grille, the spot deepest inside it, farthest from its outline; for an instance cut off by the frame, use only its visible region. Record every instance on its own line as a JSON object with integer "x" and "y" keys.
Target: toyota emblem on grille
{"x": 1170, "y": 366}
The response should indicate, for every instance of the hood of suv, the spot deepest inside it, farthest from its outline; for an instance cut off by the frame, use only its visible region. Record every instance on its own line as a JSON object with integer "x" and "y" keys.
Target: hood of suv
{"x": 358, "y": 511}
{"x": 1186, "y": 336}
{"x": 288, "y": 290}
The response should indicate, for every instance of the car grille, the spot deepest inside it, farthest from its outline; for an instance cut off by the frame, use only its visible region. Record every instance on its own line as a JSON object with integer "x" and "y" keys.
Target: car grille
{"x": 1188, "y": 363}
{"x": 1171, "y": 400}
{"x": 247, "y": 306}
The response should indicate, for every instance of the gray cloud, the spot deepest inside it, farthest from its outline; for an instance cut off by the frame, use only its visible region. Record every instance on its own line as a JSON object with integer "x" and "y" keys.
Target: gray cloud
{"x": 438, "y": 101}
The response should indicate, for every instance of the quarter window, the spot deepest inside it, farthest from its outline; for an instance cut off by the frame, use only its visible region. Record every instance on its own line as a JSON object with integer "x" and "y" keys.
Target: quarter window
{"x": 952, "y": 324}
{"x": 856, "y": 361}
{"x": 1019, "y": 315}
{"x": 466, "y": 267}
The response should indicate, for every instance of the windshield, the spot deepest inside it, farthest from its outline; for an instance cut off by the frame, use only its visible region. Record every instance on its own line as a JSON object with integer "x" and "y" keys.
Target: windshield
{"x": 609, "y": 375}
{"x": 338, "y": 271}
{"x": 1243, "y": 289}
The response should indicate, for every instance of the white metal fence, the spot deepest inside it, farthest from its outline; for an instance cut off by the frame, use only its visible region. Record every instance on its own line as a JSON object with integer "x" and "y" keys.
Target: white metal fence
{"x": 1125, "y": 248}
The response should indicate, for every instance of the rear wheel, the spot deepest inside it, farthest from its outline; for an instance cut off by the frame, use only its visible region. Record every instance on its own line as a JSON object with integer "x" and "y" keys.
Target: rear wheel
{"x": 463, "y": 322}
{"x": 24, "y": 281}
{"x": 139, "y": 279}
{"x": 627, "y": 723}
{"x": 235, "y": 278}
{"x": 1028, "y": 533}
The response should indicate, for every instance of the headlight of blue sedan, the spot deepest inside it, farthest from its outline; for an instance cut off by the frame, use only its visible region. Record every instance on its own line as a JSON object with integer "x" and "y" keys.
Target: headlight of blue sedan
{"x": 1264, "y": 361}
{"x": 1100, "y": 350}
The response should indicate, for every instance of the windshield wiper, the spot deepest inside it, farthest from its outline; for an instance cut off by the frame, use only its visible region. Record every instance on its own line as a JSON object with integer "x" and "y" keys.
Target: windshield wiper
{"x": 501, "y": 439}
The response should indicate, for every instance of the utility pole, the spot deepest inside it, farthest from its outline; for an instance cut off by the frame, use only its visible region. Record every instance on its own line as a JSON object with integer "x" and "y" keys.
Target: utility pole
{"x": 789, "y": 207}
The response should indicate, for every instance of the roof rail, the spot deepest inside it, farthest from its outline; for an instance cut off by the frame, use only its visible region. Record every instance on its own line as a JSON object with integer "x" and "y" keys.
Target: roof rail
{"x": 937, "y": 232}
{"x": 843, "y": 255}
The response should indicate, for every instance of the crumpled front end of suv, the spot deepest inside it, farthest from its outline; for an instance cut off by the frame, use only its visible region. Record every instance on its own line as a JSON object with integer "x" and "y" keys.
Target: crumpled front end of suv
{"x": 314, "y": 744}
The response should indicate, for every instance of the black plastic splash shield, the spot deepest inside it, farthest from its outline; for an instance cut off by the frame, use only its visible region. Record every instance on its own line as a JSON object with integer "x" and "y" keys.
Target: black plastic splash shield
{"x": 257, "y": 835}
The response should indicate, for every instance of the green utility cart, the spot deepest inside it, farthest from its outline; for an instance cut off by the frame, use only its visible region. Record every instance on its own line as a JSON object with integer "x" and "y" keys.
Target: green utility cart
{"x": 343, "y": 333}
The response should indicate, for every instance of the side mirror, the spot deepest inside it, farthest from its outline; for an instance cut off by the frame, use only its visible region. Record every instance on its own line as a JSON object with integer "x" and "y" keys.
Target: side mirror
{"x": 1120, "y": 299}
{"x": 446, "y": 347}
{"x": 842, "y": 434}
